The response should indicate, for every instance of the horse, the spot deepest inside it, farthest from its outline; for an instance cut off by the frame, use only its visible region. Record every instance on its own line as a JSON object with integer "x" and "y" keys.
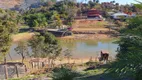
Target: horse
{"x": 104, "y": 56}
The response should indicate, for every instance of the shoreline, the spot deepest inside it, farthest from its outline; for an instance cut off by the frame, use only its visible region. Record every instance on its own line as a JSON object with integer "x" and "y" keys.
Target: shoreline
{"x": 59, "y": 61}
{"x": 90, "y": 37}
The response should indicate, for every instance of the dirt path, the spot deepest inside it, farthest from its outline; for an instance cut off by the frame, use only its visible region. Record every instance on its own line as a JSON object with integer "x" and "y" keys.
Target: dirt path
{"x": 90, "y": 29}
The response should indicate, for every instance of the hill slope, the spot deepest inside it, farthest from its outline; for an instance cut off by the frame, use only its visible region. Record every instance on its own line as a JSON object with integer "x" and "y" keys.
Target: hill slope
{"x": 6, "y": 4}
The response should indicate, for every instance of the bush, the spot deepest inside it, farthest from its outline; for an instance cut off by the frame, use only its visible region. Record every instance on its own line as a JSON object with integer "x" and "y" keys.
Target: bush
{"x": 64, "y": 74}
{"x": 139, "y": 75}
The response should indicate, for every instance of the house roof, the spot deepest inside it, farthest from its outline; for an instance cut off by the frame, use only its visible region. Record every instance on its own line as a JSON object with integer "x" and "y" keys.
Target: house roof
{"x": 119, "y": 14}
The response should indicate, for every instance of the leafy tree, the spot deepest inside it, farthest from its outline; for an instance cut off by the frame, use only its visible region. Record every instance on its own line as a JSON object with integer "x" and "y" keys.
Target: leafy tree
{"x": 129, "y": 55}
{"x": 51, "y": 15}
{"x": 67, "y": 9}
{"x": 36, "y": 20}
{"x": 8, "y": 26}
{"x": 91, "y": 4}
{"x": 22, "y": 49}
{"x": 52, "y": 48}
{"x": 45, "y": 46}
{"x": 37, "y": 44}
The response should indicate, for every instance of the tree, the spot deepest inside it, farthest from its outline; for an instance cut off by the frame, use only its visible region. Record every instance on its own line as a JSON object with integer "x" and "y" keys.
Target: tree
{"x": 55, "y": 20}
{"x": 91, "y": 4}
{"x": 37, "y": 44}
{"x": 22, "y": 49}
{"x": 67, "y": 9}
{"x": 67, "y": 54}
{"x": 52, "y": 48}
{"x": 129, "y": 55}
{"x": 8, "y": 26}
{"x": 36, "y": 20}
{"x": 45, "y": 46}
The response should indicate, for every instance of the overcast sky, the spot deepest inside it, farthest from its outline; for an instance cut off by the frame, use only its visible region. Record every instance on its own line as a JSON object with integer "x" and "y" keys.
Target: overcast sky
{"x": 118, "y": 1}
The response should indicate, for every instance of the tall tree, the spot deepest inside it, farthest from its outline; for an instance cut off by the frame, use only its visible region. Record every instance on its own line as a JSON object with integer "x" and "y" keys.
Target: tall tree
{"x": 22, "y": 49}
{"x": 8, "y": 26}
{"x": 46, "y": 46}
{"x": 37, "y": 44}
{"x": 129, "y": 55}
{"x": 52, "y": 48}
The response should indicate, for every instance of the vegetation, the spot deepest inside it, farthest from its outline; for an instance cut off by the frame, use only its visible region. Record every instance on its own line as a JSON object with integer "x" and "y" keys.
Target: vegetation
{"x": 68, "y": 54}
{"x": 128, "y": 63}
{"x": 56, "y": 14}
{"x": 36, "y": 20}
{"x": 8, "y": 26}
{"x": 51, "y": 16}
{"x": 22, "y": 49}
{"x": 64, "y": 74}
{"x": 45, "y": 46}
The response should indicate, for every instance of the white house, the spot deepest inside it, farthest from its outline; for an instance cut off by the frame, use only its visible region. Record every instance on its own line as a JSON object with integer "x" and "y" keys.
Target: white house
{"x": 119, "y": 15}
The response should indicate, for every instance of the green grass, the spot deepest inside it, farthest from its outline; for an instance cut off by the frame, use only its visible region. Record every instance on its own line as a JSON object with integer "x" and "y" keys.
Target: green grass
{"x": 97, "y": 74}
{"x": 30, "y": 77}
{"x": 24, "y": 26}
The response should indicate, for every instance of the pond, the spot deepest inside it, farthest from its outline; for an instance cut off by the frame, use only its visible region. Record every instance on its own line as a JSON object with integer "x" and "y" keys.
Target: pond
{"x": 79, "y": 48}
{"x": 89, "y": 48}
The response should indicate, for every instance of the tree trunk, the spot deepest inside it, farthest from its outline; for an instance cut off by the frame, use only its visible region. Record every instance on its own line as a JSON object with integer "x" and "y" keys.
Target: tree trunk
{"x": 23, "y": 59}
{"x": 5, "y": 68}
{"x": 17, "y": 71}
{"x": 25, "y": 68}
{"x": 49, "y": 66}
{"x": 6, "y": 71}
{"x": 5, "y": 60}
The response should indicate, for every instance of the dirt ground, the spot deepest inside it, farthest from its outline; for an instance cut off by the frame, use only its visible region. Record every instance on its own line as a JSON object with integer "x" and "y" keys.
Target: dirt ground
{"x": 22, "y": 37}
{"x": 84, "y": 23}
{"x": 90, "y": 29}
{"x": 89, "y": 37}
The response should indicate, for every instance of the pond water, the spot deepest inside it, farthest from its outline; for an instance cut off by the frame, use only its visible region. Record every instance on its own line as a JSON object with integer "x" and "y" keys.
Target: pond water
{"x": 79, "y": 48}
{"x": 90, "y": 48}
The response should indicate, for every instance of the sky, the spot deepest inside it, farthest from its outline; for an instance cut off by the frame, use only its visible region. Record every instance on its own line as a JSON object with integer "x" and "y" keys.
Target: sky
{"x": 117, "y": 1}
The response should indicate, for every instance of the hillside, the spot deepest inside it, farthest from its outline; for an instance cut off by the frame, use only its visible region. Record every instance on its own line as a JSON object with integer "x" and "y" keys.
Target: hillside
{"x": 6, "y": 4}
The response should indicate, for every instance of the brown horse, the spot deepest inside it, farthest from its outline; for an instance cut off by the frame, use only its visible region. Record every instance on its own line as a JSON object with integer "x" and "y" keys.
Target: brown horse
{"x": 104, "y": 56}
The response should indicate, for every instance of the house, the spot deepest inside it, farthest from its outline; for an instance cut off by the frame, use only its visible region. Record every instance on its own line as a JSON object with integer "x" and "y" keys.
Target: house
{"x": 95, "y": 14}
{"x": 119, "y": 16}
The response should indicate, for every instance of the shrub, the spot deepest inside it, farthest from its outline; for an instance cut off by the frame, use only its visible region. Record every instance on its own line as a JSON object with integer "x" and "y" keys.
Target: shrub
{"x": 64, "y": 74}
{"x": 139, "y": 75}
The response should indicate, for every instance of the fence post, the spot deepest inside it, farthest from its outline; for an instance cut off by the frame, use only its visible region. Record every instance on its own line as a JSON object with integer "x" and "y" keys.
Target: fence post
{"x": 6, "y": 71}
{"x": 17, "y": 71}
